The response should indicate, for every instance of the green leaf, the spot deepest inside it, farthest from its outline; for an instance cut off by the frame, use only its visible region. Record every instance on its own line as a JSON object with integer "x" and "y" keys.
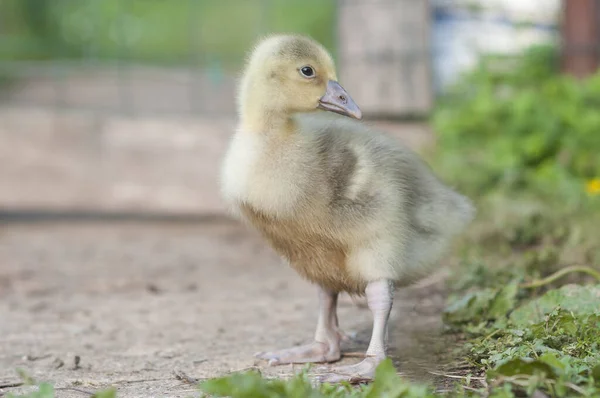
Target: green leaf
{"x": 469, "y": 308}
{"x": 504, "y": 301}
{"x": 389, "y": 384}
{"x": 27, "y": 379}
{"x": 46, "y": 391}
{"x": 596, "y": 374}
{"x": 579, "y": 300}
{"x": 523, "y": 366}
{"x": 108, "y": 393}
{"x": 482, "y": 305}
{"x": 553, "y": 361}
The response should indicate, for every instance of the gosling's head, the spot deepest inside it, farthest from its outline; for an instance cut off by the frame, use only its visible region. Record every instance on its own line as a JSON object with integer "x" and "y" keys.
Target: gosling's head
{"x": 287, "y": 74}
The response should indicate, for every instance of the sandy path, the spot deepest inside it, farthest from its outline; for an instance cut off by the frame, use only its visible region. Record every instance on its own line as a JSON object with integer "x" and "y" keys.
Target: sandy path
{"x": 138, "y": 301}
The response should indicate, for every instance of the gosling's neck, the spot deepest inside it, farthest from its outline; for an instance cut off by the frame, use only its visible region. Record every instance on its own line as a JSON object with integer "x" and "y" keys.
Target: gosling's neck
{"x": 269, "y": 122}
{"x": 260, "y": 114}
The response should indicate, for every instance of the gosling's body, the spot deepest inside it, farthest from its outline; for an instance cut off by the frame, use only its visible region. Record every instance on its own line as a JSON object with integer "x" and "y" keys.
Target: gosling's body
{"x": 350, "y": 209}
{"x": 343, "y": 204}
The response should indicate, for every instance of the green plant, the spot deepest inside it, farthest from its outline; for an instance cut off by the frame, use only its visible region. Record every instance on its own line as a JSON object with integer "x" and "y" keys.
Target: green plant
{"x": 47, "y": 390}
{"x": 515, "y": 123}
{"x": 551, "y": 342}
{"x": 252, "y": 385}
{"x": 522, "y": 300}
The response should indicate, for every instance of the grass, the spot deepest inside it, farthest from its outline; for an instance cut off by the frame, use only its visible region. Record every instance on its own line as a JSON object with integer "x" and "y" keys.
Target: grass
{"x": 47, "y": 390}
{"x": 526, "y": 301}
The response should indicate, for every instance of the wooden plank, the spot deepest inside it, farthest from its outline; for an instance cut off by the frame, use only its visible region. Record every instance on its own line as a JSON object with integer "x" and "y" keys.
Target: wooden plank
{"x": 384, "y": 55}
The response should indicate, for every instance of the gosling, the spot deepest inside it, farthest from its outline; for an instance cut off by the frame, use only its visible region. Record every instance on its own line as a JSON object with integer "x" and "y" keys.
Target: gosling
{"x": 349, "y": 208}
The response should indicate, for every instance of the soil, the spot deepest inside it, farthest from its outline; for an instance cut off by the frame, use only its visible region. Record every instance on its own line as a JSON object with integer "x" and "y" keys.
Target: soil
{"x": 134, "y": 304}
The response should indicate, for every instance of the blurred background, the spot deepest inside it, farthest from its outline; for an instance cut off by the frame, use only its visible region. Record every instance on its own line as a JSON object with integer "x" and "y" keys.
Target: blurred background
{"x": 121, "y": 110}
{"x": 128, "y": 104}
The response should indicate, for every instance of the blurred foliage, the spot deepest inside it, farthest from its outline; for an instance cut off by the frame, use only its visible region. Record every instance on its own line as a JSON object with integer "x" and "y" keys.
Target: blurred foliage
{"x": 550, "y": 342}
{"x": 515, "y": 123}
{"x": 252, "y": 385}
{"x": 525, "y": 298}
{"x": 523, "y": 141}
{"x": 174, "y": 31}
{"x": 46, "y": 390}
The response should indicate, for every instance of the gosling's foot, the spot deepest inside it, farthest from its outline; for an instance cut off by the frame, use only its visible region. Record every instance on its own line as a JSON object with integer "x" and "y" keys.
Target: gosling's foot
{"x": 315, "y": 352}
{"x": 363, "y": 371}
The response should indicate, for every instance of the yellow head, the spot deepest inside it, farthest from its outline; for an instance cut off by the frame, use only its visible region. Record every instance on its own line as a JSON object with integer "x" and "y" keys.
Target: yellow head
{"x": 287, "y": 74}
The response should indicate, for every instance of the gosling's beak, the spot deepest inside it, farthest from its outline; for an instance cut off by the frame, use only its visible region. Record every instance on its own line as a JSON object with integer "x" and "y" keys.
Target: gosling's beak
{"x": 337, "y": 100}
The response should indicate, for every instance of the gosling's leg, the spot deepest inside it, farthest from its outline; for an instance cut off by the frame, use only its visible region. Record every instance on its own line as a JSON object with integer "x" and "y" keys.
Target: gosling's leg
{"x": 379, "y": 298}
{"x": 325, "y": 348}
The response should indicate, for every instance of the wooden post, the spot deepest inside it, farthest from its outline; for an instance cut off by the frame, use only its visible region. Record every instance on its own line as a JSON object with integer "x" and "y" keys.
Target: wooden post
{"x": 384, "y": 56}
{"x": 580, "y": 37}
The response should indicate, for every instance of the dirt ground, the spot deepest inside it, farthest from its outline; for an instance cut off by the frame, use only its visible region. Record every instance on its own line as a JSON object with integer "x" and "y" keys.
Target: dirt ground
{"x": 138, "y": 302}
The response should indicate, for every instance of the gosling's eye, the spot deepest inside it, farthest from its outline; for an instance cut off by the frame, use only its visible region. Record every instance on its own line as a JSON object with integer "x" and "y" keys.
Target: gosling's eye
{"x": 307, "y": 71}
